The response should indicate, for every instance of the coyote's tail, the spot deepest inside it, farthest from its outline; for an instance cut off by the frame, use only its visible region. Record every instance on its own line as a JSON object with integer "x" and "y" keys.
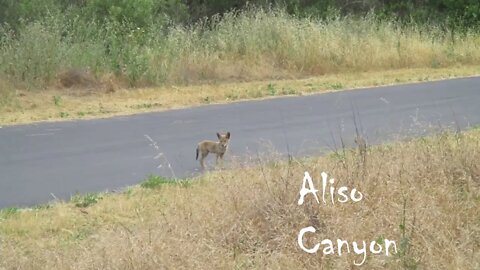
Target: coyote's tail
{"x": 196, "y": 158}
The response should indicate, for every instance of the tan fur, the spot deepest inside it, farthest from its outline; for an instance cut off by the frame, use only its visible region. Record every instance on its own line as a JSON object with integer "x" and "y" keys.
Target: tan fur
{"x": 219, "y": 148}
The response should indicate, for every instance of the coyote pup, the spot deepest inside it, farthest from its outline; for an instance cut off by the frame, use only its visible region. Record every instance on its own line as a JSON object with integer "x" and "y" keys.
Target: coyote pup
{"x": 219, "y": 148}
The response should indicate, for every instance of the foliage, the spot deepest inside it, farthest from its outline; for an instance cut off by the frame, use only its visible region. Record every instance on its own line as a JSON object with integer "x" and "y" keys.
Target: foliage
{"x": 154, "y": 181}
{"x": 86, "y": 200}
{"x": 152, "y": 42}
{"x": 141, "y": 13}
{"x": 249, "y": 45}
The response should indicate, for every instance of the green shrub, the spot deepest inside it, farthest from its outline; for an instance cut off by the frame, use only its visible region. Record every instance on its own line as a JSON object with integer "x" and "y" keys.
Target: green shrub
{"x": 251, "y": 45}
{"x": 154, "y": 181}
{"x": 140, "y": 13}
{"x": 86, "y": 200}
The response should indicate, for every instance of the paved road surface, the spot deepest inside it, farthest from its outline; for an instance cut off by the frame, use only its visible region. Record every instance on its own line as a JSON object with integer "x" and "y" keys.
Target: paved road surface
{"x": 41, "y": 161}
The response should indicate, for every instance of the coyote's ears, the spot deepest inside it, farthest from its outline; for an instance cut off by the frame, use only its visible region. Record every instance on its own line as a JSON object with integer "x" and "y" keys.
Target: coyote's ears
{"x": 227, "y": 135}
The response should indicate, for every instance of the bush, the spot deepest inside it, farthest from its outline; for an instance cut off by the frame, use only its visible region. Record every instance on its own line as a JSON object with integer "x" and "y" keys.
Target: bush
{"x": 34, "y": 55}
{"x": 154, "y": 181}
{"x": 249, "y": 45}
{"x": 140, "y": 13}
{"x": 86, "y": 200}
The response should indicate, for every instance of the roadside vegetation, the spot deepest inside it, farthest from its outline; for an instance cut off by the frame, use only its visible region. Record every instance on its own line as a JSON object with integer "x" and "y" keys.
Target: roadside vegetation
{"x": 70, "y": 59}
{"x": 249, "y": 45}
{"x": 31, "y": 106}
{"x": 423, "y": 193}
{"x": 88, "y": 52}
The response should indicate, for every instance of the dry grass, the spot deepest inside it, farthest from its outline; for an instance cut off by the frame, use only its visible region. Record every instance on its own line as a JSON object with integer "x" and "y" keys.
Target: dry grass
{"x": 251, "y": 54}
{"x": 423, "y": 194}
{"x": 31, "y": 106}
{"x": 253, "y": 44}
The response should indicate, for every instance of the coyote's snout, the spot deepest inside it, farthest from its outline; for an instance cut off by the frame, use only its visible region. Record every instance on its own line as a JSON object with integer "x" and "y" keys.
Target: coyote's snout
{"x": 219, "y": 148}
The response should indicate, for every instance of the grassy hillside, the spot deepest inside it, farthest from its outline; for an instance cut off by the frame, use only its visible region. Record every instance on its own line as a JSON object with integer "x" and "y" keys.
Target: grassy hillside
{"x": 423, "y": 194}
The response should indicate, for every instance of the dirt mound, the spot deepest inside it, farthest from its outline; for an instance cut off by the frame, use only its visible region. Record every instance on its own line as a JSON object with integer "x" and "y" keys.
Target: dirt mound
{"x": 83, "y": 82}
{"x": 77, "y": 78}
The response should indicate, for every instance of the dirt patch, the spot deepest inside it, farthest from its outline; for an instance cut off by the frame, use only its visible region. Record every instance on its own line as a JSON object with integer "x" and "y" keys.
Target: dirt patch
{"x": 77, "y": 78}
{"x": 83, "y": 81}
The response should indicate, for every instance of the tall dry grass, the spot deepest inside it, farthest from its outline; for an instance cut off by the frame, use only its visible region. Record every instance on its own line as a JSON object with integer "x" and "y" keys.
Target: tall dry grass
{"x": 250, "y": 45}
{"x": 423, "y": 194}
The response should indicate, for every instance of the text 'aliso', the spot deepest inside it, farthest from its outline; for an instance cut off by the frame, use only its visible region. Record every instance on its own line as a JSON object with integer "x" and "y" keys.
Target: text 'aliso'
{"x": 341, "y": 195}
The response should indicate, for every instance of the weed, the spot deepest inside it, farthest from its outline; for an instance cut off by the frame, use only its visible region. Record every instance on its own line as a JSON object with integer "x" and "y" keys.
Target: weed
{"x": 86, "y": 200}
{"x": 336, "y": 86}
{"x": 64, "y": 114}
{"x": 8, "y": 212}
{"x": 207, "y": 99}
{"x": 476, "y": 127}
{"x": 82, "y": 113}
{"x": 231, "y": 96}
{"x": 42, "y": 207}
{"x": 146, "y": 105}
{"x": 154, "y": 181}
{"x": 81, "y": 233}
{"x": 128, "y": 191}
{"x": 380, "y": 239}
{"x": 288, "y": 91}
{"x": 271, "y": 89}
{"x": 57, "y": 100}
{"x": 409, "y": 262}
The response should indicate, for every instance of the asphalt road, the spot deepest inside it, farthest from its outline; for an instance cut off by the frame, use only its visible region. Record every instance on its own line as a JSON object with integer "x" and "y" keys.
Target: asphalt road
{"x": 40, "y": 162}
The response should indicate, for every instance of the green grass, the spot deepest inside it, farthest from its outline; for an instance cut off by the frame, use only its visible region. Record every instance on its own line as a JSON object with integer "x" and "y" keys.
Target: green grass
{"x": 57, "y": 100}
{"x": 155, "y": 181}
{"x": 146, "y": 105}
{"x": 86, "y": 200}
{"x": 271, "y": 89}
{"x": 8, "y": 212}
